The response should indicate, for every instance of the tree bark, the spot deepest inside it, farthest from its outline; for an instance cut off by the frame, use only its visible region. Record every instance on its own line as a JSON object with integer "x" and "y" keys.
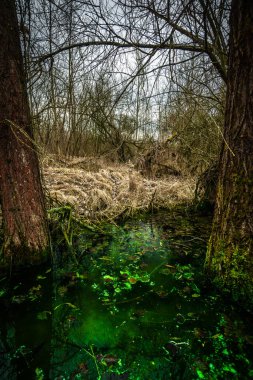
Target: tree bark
{"x": 230, "y": 250}
{"x": 21, "y": 194}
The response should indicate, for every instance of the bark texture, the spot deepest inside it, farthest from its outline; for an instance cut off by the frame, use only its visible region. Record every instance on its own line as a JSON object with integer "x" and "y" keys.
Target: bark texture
{"x": 22, "y": 201}
{"x": 230, "y": 251}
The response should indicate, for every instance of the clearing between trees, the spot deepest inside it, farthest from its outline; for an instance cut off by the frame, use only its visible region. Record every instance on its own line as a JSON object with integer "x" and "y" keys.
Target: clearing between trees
{"x": 100, "y": 190}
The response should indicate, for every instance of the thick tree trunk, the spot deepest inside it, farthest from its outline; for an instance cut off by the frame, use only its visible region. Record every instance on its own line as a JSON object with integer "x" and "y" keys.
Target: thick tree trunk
{"x": 24, "y": 217}
{"x": 230, "y": 251}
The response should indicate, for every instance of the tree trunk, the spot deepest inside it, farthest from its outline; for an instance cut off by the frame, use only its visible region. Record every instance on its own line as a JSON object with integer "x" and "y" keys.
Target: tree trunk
{"x": 230, "y": 254}
{"x": 22, "y": 201}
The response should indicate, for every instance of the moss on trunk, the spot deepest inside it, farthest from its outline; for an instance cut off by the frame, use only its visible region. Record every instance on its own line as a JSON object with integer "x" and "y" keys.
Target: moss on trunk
{"x": 230, "y": 252}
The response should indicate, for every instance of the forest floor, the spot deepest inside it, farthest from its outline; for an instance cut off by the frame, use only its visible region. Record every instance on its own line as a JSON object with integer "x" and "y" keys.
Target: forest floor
{"x": 97, "y": 190}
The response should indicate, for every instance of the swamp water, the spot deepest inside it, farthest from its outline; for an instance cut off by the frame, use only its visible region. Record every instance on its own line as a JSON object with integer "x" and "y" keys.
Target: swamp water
{"x": 130, "y": 302}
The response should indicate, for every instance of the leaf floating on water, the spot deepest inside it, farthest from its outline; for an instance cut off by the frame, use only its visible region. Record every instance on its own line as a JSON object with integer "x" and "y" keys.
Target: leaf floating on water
{"x": 81, "y": 276}
{"x": 71, "y": 305}
{"x": 39, "y": 374}
{"x": 176, "y": 338}
{"x": 217, "y": 336}
{"x": 40, "y": 277}
{"x": 145, "y": 278}
{"x": 200, "y": 374}
{"x": 108, "y": 278}
{"x": 229, "y": 368}
{"x": 195, "y": 288}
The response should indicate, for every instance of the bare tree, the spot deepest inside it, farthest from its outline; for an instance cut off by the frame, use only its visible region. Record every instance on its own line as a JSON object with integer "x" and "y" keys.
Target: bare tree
{"x": 91, "y": 37}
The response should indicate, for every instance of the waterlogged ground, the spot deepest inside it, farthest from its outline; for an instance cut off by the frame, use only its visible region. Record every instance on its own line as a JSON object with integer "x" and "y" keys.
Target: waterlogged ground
{"x": 127, "y": 302}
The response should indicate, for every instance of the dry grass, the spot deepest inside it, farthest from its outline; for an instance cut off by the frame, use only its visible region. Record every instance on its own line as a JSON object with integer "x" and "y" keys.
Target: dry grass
{"x": 98, "y": 190}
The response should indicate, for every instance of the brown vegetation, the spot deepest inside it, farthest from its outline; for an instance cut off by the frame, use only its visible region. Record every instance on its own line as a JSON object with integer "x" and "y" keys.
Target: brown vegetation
{"x": 98, "y": 190}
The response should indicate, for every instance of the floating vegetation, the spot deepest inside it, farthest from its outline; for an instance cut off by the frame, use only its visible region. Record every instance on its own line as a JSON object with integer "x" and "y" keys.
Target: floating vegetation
{"x": 131, "y": 303}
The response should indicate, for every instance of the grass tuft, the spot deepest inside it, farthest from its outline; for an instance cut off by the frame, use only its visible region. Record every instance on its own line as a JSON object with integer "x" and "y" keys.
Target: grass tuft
{"x": 111, "y": 190}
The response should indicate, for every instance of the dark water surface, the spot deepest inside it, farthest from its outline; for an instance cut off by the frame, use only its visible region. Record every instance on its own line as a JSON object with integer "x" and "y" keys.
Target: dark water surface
{"x": 130, "y": 302}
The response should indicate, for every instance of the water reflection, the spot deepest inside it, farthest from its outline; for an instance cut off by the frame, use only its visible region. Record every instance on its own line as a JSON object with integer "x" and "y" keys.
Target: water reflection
{"x": 132, "y": 304}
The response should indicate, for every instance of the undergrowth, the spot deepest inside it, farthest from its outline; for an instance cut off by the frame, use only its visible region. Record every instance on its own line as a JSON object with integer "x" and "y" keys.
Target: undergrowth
{"x": 112, "y": 191}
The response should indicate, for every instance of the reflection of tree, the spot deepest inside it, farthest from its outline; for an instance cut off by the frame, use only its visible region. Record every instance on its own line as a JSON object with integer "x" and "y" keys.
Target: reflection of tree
{"x": 69, "y": 358}
{"x": 24, "y": 333}
{"x": 8, "y": 370}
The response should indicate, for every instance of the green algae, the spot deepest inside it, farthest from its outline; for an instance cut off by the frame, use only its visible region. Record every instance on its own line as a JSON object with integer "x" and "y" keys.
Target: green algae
{"x": 131, "y": 302}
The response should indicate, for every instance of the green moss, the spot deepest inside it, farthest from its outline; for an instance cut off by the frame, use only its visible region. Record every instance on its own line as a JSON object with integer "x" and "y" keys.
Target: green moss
{"x": 231, "y": 267}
